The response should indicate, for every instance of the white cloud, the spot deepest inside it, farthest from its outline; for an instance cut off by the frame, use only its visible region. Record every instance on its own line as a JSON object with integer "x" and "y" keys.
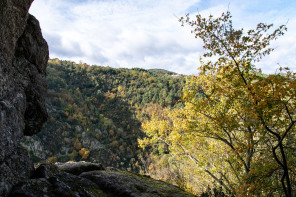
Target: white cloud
{"x": 146, "y": 33}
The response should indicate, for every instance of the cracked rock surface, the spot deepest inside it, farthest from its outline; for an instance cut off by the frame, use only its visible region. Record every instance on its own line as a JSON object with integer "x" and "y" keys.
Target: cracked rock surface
{"x": 23, "y": 60}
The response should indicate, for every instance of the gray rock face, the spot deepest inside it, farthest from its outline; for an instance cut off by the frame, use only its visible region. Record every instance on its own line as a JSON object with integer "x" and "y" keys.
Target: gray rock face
{"x": 14, "y": 168}
{"x": 31, "y": 58}
{"x": 23, "y": 59}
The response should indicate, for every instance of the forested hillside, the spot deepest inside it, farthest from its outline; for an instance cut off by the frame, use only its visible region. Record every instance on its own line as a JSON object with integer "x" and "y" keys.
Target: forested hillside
{"x": 229, "y": 131}
{"x": 95, "y": 112}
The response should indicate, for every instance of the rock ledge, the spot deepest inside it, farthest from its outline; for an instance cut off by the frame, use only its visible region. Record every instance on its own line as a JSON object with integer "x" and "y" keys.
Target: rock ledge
{"x": 89, "y": 180}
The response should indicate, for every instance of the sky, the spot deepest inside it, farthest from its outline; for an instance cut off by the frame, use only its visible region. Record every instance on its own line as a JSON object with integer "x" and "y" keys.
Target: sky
{"x": 147, "y": 34}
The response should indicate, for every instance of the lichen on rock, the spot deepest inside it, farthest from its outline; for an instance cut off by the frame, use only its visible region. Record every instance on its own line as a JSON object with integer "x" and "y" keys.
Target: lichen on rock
{"x": 23, "y": 60}
{"x": 89, "y": 179}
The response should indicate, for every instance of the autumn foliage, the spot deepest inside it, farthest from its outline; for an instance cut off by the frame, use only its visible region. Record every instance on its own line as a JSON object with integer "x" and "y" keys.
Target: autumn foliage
{"x": 237, "y": 129}
{"x": 84, "y": 153}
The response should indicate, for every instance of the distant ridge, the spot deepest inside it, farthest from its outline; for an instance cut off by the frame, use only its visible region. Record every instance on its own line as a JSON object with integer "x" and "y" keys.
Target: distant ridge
{"x": 162, "y": 71}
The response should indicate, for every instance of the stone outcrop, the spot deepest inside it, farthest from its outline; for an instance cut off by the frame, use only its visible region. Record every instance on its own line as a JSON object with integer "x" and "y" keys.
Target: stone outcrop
{"x": 89, "y": 180}
{"x": 23, "y": 60}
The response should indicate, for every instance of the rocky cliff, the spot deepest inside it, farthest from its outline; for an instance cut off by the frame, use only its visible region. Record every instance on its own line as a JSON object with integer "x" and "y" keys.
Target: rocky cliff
{"x": 23, "y": 59}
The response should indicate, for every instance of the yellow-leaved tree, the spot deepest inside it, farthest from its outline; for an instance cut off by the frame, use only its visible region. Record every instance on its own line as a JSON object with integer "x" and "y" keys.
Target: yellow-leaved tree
{"x": 84, "y": 153}
{"x": 237, "y": 126}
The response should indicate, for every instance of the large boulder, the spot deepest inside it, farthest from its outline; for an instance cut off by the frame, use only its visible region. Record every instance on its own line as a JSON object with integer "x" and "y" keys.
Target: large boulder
{"x": 23, "y": 60}
{"x": 50, "y": 181}
{"x": 90, "y": 180}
